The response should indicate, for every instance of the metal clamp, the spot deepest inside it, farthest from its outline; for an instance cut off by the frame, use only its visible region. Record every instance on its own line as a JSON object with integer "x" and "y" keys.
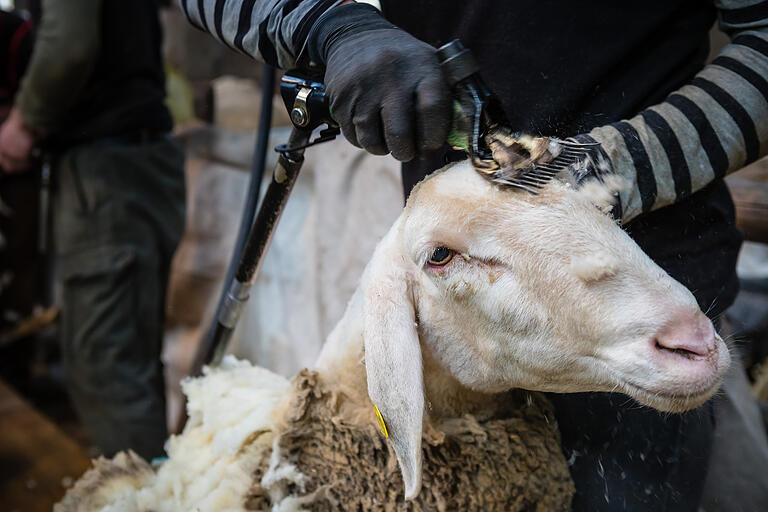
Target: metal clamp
{"x": 233, "y": 305}
{"x": 324, "y": 136}
{"x": 300, "y": 110}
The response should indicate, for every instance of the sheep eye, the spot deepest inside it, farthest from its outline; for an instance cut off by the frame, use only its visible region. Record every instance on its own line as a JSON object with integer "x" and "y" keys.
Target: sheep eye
{"x": 441, "y": 256}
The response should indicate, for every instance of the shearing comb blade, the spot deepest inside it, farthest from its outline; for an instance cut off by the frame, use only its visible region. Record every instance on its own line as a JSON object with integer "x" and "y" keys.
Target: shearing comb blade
{"x": 529, "y": 163}
{"x": 479, "y": 128}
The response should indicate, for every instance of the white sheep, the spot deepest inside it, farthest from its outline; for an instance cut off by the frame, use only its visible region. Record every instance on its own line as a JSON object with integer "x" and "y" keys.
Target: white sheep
{"x": 475, "y": 290}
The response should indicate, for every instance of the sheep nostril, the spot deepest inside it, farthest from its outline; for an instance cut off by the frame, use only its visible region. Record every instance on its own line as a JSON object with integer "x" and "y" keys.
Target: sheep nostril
{"x": 688, "y": 354}
{"x": 687, "y": 334}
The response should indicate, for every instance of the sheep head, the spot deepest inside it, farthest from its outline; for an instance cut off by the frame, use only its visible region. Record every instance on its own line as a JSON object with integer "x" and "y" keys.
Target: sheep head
{"x": 507, "y": 289}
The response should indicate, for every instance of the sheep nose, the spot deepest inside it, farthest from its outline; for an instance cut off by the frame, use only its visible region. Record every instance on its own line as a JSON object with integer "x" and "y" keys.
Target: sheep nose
{"x": 687, "y": 333}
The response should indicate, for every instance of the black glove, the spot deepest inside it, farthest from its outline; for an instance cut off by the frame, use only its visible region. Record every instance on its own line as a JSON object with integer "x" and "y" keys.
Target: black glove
{"x": 386, "y": 88}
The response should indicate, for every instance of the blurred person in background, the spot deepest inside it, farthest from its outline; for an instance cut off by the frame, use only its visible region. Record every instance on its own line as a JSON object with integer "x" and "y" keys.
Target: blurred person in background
{"x": 20, "y": 291}
{"x": 93, "y": 99}
{"x": 16, "y": 40}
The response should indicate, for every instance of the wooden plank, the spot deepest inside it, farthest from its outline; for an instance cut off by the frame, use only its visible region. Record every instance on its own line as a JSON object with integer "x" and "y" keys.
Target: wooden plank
{"x": 749, "y": 188}
{"x": 35, "y": 457}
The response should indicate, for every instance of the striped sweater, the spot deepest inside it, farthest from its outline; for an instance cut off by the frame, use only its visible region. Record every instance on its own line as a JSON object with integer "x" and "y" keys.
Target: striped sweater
{"x": 715, "y": 124}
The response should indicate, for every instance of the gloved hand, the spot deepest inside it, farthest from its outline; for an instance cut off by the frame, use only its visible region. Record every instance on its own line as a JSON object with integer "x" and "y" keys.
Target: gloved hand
{"x": 386, "y": 88}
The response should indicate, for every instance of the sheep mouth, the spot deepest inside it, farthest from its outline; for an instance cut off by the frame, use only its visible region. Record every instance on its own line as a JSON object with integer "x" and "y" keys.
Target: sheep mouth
{"x": 677, "y": 381}
{"x": 670, "y": 401}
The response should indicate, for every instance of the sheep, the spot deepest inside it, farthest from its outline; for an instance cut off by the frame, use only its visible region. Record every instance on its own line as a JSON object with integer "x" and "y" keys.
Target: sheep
{"x": 475, "y": 290}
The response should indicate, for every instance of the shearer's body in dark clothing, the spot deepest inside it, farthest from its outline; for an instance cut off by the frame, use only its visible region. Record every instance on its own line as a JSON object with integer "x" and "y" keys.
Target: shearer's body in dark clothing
{"x": 631, "y": 77}
{"x": 622, "y": 456}
{"x": 93, "y": 96}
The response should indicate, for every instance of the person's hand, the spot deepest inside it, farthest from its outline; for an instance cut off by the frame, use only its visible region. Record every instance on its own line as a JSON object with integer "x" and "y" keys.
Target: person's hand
{"x": 386, "y": 88}
{"x": 16, "y": 143}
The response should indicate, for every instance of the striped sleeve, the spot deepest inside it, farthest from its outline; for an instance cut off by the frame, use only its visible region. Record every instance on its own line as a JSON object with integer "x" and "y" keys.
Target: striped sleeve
{"x": 714, "y": 125}
{"x": 273, "y": 31}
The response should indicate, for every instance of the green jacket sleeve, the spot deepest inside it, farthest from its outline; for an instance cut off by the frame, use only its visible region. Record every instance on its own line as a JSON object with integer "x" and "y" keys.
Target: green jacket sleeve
{"x": 66, "y": 48}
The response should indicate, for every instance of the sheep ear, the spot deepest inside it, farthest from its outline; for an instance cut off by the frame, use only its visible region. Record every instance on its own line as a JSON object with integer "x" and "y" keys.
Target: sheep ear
{"x": 393, "y": 357}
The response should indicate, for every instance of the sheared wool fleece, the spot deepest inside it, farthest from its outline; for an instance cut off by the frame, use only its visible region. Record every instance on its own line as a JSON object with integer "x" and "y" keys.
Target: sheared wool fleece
{"x": 245, "y": 449}
{"x": 508, "y": 464}
{"x": 210, "y": 464}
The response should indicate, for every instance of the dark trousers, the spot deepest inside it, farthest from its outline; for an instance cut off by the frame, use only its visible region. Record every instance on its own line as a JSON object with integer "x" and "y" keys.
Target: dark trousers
{"x": 626, "y": 457}
{"x": 118, "y": 217}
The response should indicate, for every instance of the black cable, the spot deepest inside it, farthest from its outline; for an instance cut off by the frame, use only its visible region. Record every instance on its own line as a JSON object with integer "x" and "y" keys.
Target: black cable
{"x": 208, "y": 344}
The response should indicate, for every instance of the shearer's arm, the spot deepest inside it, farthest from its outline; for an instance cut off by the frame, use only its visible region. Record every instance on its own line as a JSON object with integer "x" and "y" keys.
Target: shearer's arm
{"x": 386, "y": 88}
{"x": 714, "y": 125}
{"x": 273, "y": 31}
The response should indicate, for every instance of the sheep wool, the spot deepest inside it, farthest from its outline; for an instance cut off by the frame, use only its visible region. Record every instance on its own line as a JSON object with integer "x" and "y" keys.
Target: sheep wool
{"x": 210, "y": 465}
{"x": 501, "y": 464}
{"x": 254, "y": 441}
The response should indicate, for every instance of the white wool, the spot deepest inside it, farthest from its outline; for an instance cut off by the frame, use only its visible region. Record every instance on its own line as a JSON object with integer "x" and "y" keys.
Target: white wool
{"x": 296, "y": 503}
{"x": 603, "y": 193}
{"x": 124, "y": 503}
{"x": 205, "y": 470}
{"x": 279, "y": 476}
{"x": 121, "y": 495}
{"x": 281, "y": 470}
{"x": 232, "y": 401}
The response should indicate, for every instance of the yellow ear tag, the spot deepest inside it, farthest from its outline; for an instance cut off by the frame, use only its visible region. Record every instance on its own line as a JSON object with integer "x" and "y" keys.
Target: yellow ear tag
{"x": 382, "y": 425}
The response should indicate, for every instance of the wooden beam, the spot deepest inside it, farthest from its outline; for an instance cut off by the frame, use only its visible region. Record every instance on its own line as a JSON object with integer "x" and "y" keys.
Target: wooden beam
{"x": 36, "y": 457}
{"x": 749, "y": 188}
